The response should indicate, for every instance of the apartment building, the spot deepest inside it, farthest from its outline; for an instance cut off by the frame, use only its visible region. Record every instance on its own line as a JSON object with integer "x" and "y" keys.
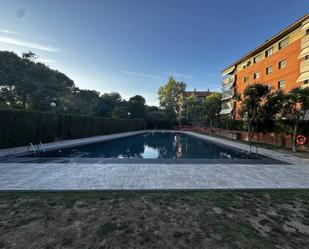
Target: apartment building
{"x": 282, "y": 62}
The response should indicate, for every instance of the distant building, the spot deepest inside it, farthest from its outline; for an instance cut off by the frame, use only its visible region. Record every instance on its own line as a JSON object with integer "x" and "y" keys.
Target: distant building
{"x": 282, "y": 62}
{"x": 200, "y": 95}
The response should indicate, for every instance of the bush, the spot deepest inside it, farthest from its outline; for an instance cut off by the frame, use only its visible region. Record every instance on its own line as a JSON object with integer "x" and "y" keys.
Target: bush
{"x": 282, "y": 126}
{"x": 19, "y": 128}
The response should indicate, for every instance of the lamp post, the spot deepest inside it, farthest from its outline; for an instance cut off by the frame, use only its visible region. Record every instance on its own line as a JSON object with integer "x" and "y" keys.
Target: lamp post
{"x": 128, "y": 122}
{"x": 53, "y": 105}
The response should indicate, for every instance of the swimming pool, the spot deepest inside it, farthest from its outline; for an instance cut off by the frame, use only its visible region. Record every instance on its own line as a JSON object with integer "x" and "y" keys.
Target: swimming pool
{"x": 142, "y": 147}
{"x": 151, "y": 145}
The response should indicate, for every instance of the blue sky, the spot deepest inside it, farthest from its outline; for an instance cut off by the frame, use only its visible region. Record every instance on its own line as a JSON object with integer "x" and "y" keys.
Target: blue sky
{"x": 132, "y": 46}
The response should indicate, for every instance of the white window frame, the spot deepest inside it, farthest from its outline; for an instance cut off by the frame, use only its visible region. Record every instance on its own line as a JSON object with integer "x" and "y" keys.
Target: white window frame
{"x": 267, "y": 54}
{"x": 280, "y": 81}
{"x": 256, "y": 75}
{"x": 279, "y": 64}
{"x": 286, "y": 44}
{"x": 268, "y": 68}
{"x": 257, "y": 58}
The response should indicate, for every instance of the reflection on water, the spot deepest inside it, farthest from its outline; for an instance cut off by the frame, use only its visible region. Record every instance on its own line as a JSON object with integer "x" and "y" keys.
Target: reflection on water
{"x": 151, "y": 145}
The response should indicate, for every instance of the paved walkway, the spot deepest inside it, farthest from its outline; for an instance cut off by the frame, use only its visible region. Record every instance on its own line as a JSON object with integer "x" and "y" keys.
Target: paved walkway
{"x": 79, "y": 176}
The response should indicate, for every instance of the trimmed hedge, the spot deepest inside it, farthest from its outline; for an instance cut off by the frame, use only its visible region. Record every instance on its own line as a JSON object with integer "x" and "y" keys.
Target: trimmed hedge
{"x": 19, "y": 128}
{"x": 283, "y": 126}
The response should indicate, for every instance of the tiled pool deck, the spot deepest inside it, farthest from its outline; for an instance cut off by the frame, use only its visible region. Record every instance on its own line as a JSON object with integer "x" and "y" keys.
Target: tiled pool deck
{"x": 147, "y": 176}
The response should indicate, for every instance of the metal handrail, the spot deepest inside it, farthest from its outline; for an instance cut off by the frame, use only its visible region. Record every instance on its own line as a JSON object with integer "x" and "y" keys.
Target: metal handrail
{"x": 32, "y": 147}
{"x": 42, "y": 147}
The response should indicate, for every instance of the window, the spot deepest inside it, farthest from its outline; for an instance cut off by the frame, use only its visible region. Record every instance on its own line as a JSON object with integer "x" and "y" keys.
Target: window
{"x": 269, "y": 70}
{"x": 269, "y": 52}
{"x": 283, "y": 43}
{"x": 281, "y": 84}
{"x": 306, "y": 57}
{"x": 282, "y": 64}
{"x": 306, "y": 81}
{"x": 257, "y": 58}
{"x": 256, "y": 75}
{"x": 246, "y": 79}
{"x": 307, "y": 32}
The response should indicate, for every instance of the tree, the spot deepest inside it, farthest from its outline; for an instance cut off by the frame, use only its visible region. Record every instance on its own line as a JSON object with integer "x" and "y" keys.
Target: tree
{"x": 84, "y": 101}
{"x": 169, "y": 95}
{"x": 27, "y": 84}
{"x": 193, "y": 109}
{"x": 137, "y": 106}
{"x": 120, "y": 112}
{"x": 251, "y": 106}
{"x": 295, "y": 108}
{"x": 108, "y": 101}
{"x": 212, "y": 107}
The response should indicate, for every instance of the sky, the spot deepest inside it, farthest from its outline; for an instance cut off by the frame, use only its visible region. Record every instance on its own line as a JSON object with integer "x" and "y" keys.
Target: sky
{"x": 132, "y": 46}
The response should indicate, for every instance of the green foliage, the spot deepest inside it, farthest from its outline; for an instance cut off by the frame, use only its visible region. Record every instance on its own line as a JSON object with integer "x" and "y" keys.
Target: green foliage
{"x": 137, "y": 106}
{"x": 158, "y": 120}
{"x": 19, "y": 128}
{"x": 169, "y": 95}
{"x": 25, "y": 84}
{"x": 120, "y": 112}
{"x": 212, "y": 107}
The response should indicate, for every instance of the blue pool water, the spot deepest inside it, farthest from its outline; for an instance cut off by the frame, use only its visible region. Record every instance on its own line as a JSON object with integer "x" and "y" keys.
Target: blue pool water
{"x": 166, "y": 145}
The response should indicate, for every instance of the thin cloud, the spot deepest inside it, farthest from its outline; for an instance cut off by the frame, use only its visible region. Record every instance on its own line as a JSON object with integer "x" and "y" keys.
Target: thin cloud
{"x": 143, "y": 75}
{"x": 180, "y": 75}
{"x": 6, "y": 31}
{"x": 33, "y": 45}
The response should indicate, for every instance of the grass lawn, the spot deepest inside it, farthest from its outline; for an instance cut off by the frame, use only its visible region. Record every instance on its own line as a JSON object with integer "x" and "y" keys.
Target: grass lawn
{"x": 213, "y": 219}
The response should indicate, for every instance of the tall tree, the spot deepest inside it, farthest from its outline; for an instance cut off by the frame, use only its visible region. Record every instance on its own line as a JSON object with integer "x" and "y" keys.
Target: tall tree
{"x": 108, "y": 101}
{"x": 295, "y": 108}
{"x": 251, "y": 106}
{"x": 169, "y": 95}
{"x": 212, "y": 107}
{"x": 84, "y": 101}
{"x": 137, "y": 106}
{"x": 30, "y": 85}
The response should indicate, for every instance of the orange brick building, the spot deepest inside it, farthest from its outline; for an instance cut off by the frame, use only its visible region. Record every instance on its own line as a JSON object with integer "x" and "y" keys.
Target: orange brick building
{"x": 282, "y": 62}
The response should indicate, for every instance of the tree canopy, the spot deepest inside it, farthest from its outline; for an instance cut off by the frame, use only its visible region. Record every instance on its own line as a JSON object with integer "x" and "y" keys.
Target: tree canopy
{"x": 30, "y": 85}
{"x": 169, "y": 95}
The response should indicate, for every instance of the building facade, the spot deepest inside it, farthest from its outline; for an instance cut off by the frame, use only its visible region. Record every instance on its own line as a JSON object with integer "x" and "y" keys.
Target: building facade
{"x": 282, "y": 62}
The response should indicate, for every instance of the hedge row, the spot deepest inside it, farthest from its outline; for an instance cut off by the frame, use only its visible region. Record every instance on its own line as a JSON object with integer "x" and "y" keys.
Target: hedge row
{"x": 19, "y": 128}
{"x": 283, "y": 126}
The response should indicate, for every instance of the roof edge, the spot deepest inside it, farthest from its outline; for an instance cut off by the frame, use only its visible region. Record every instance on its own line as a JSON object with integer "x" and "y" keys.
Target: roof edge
{"x": 278, "y": 36}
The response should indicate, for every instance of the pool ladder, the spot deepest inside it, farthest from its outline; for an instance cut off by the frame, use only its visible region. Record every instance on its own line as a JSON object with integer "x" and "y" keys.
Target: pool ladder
{"x": 249, "y": 151}
{"x": 39, "y": 148}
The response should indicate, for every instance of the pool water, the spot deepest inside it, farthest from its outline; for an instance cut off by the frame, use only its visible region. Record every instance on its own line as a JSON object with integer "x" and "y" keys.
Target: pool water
{"x": 165, "y": 145}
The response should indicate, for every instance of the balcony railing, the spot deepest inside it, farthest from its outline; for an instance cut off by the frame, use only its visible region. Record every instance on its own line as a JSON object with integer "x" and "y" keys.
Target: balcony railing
{"x": 304, "y": 66}
{"x": 227, "y": 87}
{"x": 228, "y": 80}
{"x": 228, "y": 104}
{"x": 305, "y": 42}
{"x": 228, "y": 94}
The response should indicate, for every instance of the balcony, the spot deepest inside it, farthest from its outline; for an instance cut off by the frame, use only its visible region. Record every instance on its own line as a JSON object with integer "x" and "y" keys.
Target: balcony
{"x": 304, "y": 66}
{"x": 227, "y": 87}
{"x": 230, "y": 104}
{"x": 228, "y": 94}
{"x": 305, "y": 42}
{"x": 229, "y": 80}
